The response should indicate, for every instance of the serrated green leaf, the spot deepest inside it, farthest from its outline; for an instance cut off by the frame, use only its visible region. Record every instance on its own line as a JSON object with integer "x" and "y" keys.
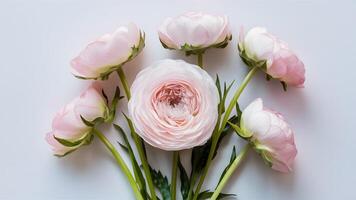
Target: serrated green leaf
{"x": 185, "y": 183}
{"x": 161, "y": 183}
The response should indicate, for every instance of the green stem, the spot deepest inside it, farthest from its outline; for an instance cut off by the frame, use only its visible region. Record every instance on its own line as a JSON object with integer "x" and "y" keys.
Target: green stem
{"x": 124, "y": 83}
{"x": 143, "y": 158}
{"x": 120, "y": 162}
{"x": 137, "y": 139}
{"x": 174, "y": 175}
{"x": 200, "y": 60}
{"x": 222, "y": 126}
{"x": 191, "y": 186}
{"x": 230, "y": 171}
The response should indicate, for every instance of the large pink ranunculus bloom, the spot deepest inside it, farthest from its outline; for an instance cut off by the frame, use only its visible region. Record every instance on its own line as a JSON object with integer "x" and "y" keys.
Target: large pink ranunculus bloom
{"x": 174, "y": 105}
{"x": 193, "y": 32}
{"x": 259, "y": 46}
{"x": 69, "y": 132}
{"x": 271, "y": 135}
{"x": 107, "y": 53}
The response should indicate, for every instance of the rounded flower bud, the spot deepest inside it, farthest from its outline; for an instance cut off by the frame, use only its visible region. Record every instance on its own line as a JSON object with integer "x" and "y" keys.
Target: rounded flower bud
{"x": 69, "y": 131}
{"x": 107, "y": 53}
{"x": 262, "y": 49}
{"x": 194, "y": 32}
{"x": 174, "y": 105}
{"x": 271, "y": 136}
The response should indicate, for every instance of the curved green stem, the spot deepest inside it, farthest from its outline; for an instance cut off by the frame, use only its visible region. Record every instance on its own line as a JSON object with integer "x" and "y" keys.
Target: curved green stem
{"x": 137, "y": 139}
{"x": 200, "y": 60}
{"x": 222, "y": 126}
{"x": 230, "y": 171}
{"x": 120, "y": 162}
{"x": 174, "y": 175}
{"x": 124, "y": 83}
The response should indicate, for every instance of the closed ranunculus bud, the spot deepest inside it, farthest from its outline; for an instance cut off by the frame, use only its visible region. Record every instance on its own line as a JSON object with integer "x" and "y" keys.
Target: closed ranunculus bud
{"x": 270, "y": 135}
{"x": 194, "y": 32}
{"x": 108, "y": 53}
{"x": 174, "y": 105}
{"x": 69, "y": 127}
{"x": 258, "y": 48}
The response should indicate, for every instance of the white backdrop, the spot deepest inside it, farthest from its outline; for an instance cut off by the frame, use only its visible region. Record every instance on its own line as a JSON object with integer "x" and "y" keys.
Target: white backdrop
{"x": 39, "y": 37}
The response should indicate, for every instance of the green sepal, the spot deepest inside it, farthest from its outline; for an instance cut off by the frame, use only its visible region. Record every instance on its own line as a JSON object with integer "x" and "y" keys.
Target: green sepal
{"x": 240, "y": 132}
{"x": 96, "y": 121}
{"x": 264, "y": 152}
{"x": 268, "y": 77}
{"x": 85, "y": 139}
{"x": 195, "y": 50}
{"x": 284, "y": 85}
{"x": 207, "y": 195}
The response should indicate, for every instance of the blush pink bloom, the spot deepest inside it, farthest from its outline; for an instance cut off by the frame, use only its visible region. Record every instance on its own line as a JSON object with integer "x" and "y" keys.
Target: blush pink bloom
{"x": 195, "y": 31}
{"x": 271, "y": 135}
{"x": 108, "y": 52}
{"x": 68, "y": 130}
{"x": 281, "y": 63}
{"x": 174, "y": 105}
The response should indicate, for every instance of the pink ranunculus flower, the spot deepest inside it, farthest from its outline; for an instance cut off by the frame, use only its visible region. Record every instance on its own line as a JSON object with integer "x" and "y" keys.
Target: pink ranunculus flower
{"x": 271, "y": 136}
{"x": 260, "y": 48}
{"x": 108, "y": 52}
{"x": 194, "y": 32}
{"x": 174, "y": 105}
{"x": 69, "y": 132}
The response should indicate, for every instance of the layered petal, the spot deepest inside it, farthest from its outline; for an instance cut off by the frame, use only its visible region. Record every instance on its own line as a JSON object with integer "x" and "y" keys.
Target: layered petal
{"x": 69, "y": 131}
{"x": 194, "y": 31}
{"x": 107, "y": 52}
{"x": 173, "y": 105}
{"x": 259, "y": 46}
{"x": 271, "y": 135}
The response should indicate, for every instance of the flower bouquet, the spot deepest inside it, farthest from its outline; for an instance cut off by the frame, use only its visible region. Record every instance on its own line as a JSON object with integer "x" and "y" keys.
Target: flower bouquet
{"x": 174, "y": 105}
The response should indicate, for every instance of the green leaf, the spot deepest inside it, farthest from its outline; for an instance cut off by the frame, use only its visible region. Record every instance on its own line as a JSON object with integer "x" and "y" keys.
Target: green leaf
{"x": 161, "y": 183}
{"x": 124, "y": 147}
{"x": 136, "y": 168}
{"x": 232, "y": 158}
{"x": 218, "y": 85}
{"x": 207, "y": 194}
{"x": 185, "y": 184}
{"x": 238, "y": 112}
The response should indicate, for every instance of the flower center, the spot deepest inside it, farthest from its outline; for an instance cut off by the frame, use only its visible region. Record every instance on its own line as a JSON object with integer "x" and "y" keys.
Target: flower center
{"x": 175, "y": 103}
